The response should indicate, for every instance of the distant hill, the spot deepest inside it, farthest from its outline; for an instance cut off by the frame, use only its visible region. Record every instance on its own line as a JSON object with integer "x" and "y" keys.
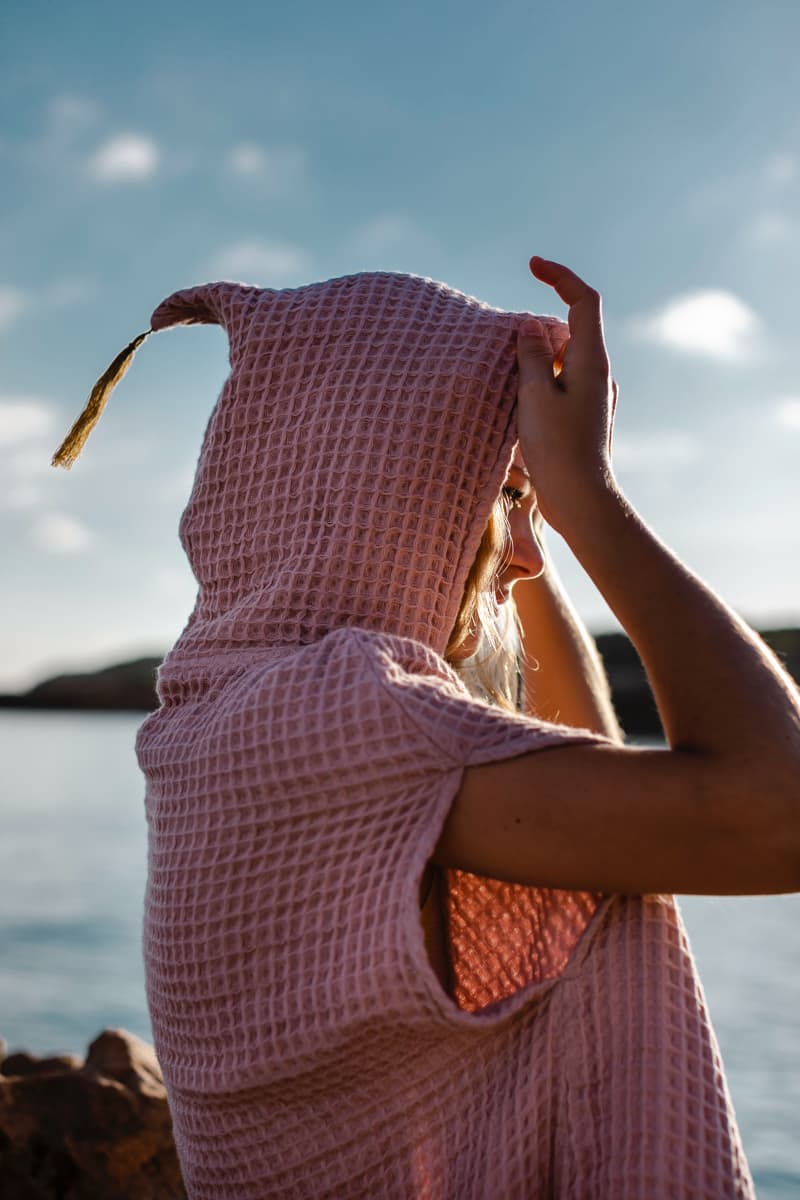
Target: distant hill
{"x": 633, "y": 699}
{"x": 131, "y": 685}
{"x": 128, "y": 685}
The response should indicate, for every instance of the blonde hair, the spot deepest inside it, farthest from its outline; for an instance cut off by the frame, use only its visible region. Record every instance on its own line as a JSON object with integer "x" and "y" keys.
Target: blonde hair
{"x": 492, "y": 671}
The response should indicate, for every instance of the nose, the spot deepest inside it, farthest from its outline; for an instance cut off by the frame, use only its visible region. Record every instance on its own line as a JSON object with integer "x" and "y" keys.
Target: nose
{"x": 527, "y": 559}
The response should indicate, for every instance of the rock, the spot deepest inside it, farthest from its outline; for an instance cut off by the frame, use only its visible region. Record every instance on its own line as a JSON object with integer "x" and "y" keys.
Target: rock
{"x": 93, "y": 1130}
{"x": 21, "y": 1064}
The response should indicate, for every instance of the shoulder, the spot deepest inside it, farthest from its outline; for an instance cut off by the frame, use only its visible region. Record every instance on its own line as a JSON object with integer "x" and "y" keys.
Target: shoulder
{"x": 431, "y": 696}
{"x": 370, "y": 701}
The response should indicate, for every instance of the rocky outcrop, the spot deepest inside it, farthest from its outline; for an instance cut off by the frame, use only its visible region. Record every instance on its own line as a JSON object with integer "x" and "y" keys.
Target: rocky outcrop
{"x": 128, "y": 685}
{"x": 131, "y": 685}
{"x": 97, "y": 1129}
{"x": 633, "y": 698}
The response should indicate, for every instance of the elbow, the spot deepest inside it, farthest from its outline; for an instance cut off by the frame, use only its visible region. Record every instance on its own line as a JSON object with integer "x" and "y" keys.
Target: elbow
{"x": 772, "y": 827}
{"x": 752, "y": 823}
{"x": 787, "y": 826}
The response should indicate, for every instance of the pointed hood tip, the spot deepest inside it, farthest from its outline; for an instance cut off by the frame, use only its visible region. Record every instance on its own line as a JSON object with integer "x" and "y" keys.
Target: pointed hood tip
{"x": 201, "y": 304}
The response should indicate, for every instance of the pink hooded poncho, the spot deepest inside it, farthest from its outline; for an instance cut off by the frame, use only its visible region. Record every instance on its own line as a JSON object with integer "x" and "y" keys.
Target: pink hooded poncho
{"x": 308, "y": 747}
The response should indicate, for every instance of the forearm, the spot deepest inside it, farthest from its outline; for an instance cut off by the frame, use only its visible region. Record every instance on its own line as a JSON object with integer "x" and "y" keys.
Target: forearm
{"x": 563, "y": 675}
{"x": 719, "y": 689}
{"x": 726, "y": 793}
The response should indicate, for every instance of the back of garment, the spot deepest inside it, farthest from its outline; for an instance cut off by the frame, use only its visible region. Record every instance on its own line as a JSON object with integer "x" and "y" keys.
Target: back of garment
{"x": 310, "y": 742}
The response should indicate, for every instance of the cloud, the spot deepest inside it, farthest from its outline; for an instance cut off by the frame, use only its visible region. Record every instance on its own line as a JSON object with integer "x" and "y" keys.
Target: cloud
{"x": 709, "y": 322}
{"x": 124, "y": 158}
{"x": 272, "y": 264}
{"x": 13, "y": 303}
{"x": 59, "y": 534}
{"x": 277, "y": 169}
{"x": 786, "y": 413}
{"x": 752, "y": 187}
{"x": 655, "y": 449}
{"x": 780, "y": 168}
{"x": 22, "y": 495}
{"x": 69, "y": 119}
{"x": 174, "y": 583}
{"x": 23, "y": 418}
{"x": 247, "y": 159}
{"x": 772, "y": 228}
{"x": 24, "y": 421}
{"x": 27, "y": 441}
{"x": 30, "y": 461}
{"x": 71, "y": 113}
{"x": 176, "y": 486}
{"x": 63, "y": 293}
{"x": 388, "y": 232}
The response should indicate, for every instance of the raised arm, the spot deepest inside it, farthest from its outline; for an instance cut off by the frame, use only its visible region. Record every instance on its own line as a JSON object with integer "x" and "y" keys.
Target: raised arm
{"x": 563, "y": 675}
{"x": 719, "y": 811}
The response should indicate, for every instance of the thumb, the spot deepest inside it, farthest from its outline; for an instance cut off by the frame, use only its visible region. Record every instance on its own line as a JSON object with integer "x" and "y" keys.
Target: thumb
{"x": 534, "y": 354}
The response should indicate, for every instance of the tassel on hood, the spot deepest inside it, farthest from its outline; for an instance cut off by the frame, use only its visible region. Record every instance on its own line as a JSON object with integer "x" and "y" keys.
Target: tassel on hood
{"x": 69, "y": 450}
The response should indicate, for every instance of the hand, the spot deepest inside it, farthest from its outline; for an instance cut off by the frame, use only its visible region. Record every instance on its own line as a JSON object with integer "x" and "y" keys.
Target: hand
{"x": 566, "y": 403}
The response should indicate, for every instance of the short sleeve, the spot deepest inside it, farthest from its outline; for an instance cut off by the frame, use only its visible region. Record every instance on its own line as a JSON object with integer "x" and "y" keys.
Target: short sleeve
{"x": 461, "y": 729}
{"x": 506, "y": 941}
{"x": 292, "y": 808}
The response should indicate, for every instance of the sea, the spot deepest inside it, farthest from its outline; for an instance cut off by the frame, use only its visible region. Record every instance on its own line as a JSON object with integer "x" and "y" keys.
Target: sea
{"x": 72, "y": 868}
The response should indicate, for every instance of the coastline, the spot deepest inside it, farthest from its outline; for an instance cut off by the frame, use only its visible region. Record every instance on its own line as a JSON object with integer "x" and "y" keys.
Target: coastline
{"x": 130, "y": 686}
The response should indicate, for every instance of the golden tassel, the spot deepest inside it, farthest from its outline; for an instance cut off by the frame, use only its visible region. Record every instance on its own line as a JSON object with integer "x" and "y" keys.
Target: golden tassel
{"x": 69, "y": 450}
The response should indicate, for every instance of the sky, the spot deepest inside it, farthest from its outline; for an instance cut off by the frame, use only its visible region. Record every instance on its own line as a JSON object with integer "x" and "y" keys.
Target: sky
{"x": 144, "y": 148}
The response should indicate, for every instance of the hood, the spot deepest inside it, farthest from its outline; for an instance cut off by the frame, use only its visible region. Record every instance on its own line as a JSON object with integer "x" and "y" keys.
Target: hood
{"x": 352, "y": 459}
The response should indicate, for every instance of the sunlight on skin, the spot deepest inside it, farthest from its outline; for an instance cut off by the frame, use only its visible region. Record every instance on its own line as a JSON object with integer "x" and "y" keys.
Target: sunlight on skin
{"x": 525, "y": 559}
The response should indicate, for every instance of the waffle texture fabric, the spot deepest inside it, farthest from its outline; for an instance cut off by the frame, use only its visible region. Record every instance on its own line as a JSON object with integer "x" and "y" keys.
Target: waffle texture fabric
{"x": 308, "y": 747}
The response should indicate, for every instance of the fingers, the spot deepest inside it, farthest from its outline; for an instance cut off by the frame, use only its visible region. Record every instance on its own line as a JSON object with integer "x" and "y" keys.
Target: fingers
{"x": 534, "y": 354}
{"x": 587, "y": 345}
{"x": 560, "y": 337}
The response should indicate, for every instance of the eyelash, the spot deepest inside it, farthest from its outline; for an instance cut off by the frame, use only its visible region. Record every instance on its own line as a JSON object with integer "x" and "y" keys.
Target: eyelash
{"x": 514, "y": 496}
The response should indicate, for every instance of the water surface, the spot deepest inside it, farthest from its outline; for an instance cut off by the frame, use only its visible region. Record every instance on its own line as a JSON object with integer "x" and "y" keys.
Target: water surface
{"x": 72, "y": 868}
